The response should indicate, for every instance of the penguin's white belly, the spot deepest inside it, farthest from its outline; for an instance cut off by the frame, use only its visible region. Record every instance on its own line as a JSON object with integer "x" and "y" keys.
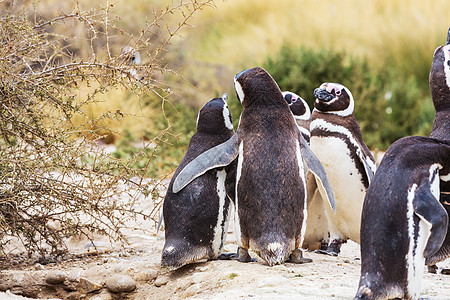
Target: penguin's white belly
{"x": 347, "y": 186}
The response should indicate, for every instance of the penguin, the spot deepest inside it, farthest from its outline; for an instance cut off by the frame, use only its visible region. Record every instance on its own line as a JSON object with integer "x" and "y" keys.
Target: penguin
{"x": 440, "y": 93}
{"x": 403, "y": 223}
{"x": 270, "y": 196}
{"x": 316, "y": 223}
{"x": 337, "y": 141}
{"x": 196, "y": 218}
{"x": 301, "y": 112}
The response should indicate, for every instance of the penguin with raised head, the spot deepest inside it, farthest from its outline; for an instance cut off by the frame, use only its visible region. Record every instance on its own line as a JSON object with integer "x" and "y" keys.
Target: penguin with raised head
{"x": 270, "y": 196}
{"x": 196, "y": 218}
{"x": 337, "y": 141}
{"x": 403, "y": 223}
{"x": 301, "y": 112}
{"x": 440, "y": 92}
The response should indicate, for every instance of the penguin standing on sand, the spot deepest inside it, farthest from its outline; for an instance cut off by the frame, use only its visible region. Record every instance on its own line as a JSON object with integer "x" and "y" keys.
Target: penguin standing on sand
{"x": 196, "y": 218}
{"x": 337, "y": 141}
{"x": 272, "y": 157}
{"x": 440, "y": 92}
{"x": 316, "y": 224}
{"x": 403, "y": 222}
{"x": 301, "y": 112}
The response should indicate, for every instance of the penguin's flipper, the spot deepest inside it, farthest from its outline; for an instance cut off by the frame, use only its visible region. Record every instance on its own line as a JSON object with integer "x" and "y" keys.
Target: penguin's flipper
{"x": 431, "y": 212}
{"x": 369, "y": 171}
{"x": 314, "y": 166}
{"x": 219, "y": 156}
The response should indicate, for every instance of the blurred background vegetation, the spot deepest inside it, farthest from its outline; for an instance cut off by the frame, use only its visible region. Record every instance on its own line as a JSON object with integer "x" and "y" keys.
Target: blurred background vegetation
{"x": 381, "y": 50}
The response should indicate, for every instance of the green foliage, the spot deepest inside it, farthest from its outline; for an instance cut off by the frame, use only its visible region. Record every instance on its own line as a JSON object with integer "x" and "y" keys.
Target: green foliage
{"x": 388, "y": 103}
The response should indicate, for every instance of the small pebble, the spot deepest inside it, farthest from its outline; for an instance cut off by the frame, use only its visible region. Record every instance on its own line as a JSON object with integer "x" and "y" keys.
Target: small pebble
{"x": 161, "y": 281}
{"x": 120, "y": 283}
{"x": 146, "y": 275}
{"x": 202, "y": 269}
{"x": 55, "y": 277}
{"x": 39, "y": 267}
{"x": 75, "y": 275}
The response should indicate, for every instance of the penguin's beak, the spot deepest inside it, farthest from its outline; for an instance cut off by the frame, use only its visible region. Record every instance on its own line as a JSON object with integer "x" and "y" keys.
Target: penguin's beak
{"x": 288, "y": 98}
{"x": 323, "y": 95}
{"x": 225, "y": 97}
{"x": 239, "y": 74}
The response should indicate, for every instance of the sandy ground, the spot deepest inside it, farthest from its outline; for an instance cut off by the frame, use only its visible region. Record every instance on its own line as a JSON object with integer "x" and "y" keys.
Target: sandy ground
{"x": 325, "y": 278}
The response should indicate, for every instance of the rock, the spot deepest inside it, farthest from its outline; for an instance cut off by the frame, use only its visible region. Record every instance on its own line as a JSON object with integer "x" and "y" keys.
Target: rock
{"x": 86, "y": 286}
{"x": 146, "y": 275}
{"x": 192, "y": 290}
{"x": 39, "y": 267}
{"x": 118, "y": 268}
{"x": 120, "y": 283}
{"x": 162, "y": 280}
{"x": 55, "y": 277}
{"x": 74, "y": 275}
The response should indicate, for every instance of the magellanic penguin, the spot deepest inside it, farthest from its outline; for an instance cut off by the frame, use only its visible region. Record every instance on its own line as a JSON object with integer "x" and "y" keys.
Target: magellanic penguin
{"x": 337, "y": 141}
{"x": 403, "y": 222}
{"x": 196, "y": 218}
{"x": 301, "y": 112}
{"x": 440, "y": 92}
{"x": 270, "y": 206}
{"x": 316, "y": 224}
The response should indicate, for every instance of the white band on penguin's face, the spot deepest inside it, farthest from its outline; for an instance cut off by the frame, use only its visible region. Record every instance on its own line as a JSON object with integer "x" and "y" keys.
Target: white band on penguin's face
{"x": 446, "y": 50}
{"x": 239, "y": 90}
{"x": 226, "y": 117}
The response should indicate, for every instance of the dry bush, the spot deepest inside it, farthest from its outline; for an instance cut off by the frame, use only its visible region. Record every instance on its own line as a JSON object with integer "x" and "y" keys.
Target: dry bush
{"x": 55, "y": 182}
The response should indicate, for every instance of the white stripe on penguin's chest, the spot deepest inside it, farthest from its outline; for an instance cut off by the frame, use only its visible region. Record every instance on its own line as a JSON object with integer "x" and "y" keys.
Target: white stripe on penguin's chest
{"x": 221, "y": 175}
{"x": 237, "y": 226}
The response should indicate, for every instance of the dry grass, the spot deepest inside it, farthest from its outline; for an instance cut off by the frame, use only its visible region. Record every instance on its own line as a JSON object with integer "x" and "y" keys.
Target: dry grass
{"x": 245, "y": 32}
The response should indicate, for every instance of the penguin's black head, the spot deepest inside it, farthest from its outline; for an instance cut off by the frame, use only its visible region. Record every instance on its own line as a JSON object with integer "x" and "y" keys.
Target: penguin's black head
{"x": 334, "y": 98}
{"x": 214, "y": 117}
{"x": 257, "y": 86}
{"x": 298, "y": 106}
{"x": 440, "y": 76}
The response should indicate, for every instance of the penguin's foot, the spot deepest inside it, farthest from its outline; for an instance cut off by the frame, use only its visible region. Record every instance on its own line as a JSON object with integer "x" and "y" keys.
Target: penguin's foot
{"x": 432, "y": 269}
{"x": 296, "y": 257}
{"x": 333, "y": 249}
{"x": 326, "y": 252}
{"x": 241, "y": 255}
{"x": 445, "y": 271}
{"x": 227, "y": 256}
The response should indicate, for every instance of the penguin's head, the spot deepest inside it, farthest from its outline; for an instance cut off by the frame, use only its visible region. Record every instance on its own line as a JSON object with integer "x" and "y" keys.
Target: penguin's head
{"x": 440, "y": 76}
{"x": 257, "y": 86}
{"x": 334, "y": 98}
{"x": 298, "y": 105}
{"x": 215, "y": 117}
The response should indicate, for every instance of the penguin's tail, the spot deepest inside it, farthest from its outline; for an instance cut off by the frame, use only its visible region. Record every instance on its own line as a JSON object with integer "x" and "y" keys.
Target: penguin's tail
{"x": 364, "y": 293}
{"x": 275, "y": 253}
{"x": 176, "y": 255}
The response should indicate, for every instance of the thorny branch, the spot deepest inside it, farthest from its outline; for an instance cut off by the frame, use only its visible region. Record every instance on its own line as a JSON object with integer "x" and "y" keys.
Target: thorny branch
{"x": 54, "y": 182}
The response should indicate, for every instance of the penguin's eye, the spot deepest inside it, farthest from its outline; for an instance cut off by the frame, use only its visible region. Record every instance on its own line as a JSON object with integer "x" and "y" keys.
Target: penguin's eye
{"x": 338, "y": 92}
